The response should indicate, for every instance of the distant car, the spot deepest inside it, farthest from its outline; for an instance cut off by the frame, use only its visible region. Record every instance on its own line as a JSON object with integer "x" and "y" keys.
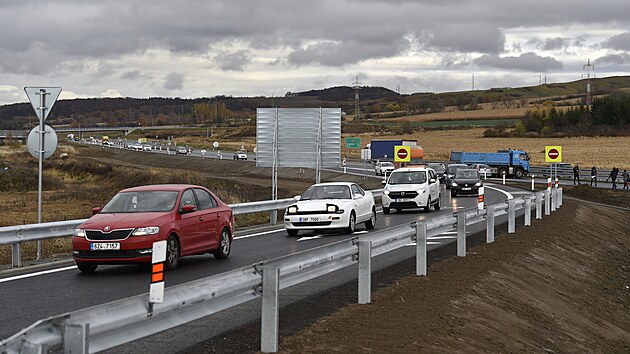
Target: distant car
{"x": 466, "y": 181}
{"x": 240, "y": 155}
{"x": 181, "y": 150}
{"x": 137, "y": 147}
{"x": 333, "y": 205}
{"x": 450, "y": 172}
{"x": 190, "y": 218}
{"x": 439, "y": 168}
{"x": 483, "y": 169}
{"x": 413, "y": 187}
{"x": 146, "y": 147}
{"x": 384, "y": 167}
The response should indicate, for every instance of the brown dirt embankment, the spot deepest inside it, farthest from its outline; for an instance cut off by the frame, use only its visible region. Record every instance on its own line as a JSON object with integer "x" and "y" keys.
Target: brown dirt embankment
{"x": 562, "y": 285}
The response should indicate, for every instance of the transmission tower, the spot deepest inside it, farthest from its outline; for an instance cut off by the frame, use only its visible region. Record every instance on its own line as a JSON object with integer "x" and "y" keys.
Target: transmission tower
{"x": 357, "y": 113}
{"x": 589, "y": 92}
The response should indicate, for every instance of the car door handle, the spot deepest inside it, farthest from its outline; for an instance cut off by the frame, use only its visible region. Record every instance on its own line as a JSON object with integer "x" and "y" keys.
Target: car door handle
{"x": 200, "y": 218}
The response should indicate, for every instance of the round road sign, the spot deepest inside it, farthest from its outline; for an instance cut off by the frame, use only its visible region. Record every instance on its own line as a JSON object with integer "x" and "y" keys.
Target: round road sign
{"x": 402, "y": 154}
{"x": 553, "y": 154}
{"x": 215, "y": 144}
{"x": 50, "y": 141}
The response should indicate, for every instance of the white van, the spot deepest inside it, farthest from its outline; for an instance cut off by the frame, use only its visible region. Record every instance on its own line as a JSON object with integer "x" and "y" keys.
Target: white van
{"x": 408, "y": 188}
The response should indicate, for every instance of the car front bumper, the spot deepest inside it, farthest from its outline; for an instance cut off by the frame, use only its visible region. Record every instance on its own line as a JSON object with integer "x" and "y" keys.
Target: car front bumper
{"x": 134, "y": 249}
{"x": 316, "y": 221}
{"x": 419, "y": 201}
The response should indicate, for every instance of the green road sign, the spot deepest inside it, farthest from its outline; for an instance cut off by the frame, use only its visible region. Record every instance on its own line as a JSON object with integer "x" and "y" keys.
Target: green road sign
{"x": 353, "y": 143}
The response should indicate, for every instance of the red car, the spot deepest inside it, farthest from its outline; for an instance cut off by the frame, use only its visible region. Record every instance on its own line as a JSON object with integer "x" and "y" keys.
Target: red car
{"x": 191, "y": 218}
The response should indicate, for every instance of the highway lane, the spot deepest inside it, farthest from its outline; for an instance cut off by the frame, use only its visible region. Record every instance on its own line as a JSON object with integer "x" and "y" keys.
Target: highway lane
{"x": 26, "y": 300}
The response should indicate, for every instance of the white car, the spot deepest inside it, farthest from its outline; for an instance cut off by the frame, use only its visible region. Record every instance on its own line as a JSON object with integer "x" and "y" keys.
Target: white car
{"x": 240, "y": 155}
{"x": 412, "y": 188}
{"x": 146, "y": 147}
{"x": 333, "y": 205}
{"x": 382, "y": 168}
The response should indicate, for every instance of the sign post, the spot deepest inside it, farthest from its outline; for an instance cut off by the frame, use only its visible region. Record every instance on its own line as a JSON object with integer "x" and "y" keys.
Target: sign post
{"x": 42, "y": 107}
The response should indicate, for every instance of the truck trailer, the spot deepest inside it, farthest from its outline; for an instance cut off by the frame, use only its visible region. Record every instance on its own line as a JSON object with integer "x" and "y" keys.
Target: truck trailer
{"x": 512, "y": 163}
{"x": 384, "y": 149}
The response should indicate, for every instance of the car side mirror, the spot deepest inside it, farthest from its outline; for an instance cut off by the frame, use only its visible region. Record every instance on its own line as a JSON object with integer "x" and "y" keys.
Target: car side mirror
{"x": 384, "y": 181}
{"x": 187, "y": 209}
{"x": 432, "y": 180}
{"x": 95, "y": 210}
{"x": 297, "y": 198}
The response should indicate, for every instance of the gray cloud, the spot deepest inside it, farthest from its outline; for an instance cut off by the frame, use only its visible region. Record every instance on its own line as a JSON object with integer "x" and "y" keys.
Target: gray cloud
{"x": 613, "y": 59}
{"x": 526, "y": 61}
{"x": 619, "y": 42}
{"x": 174, "y": 81}
{"x": 233, "y": 61}
{"x": 556, "y": 43}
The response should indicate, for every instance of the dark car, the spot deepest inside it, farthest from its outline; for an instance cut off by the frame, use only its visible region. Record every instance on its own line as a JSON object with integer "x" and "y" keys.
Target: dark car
{"x": 440, "y": 170}
{"x": 450, "y": 172}
{"x": 190, "y": 218}
{"x": 466, "y": 181}
{"x": 181, "y": 150}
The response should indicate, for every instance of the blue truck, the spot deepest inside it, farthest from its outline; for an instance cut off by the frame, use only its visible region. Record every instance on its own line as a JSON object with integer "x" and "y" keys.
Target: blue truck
{"x": 384, "y": 149}
{"x": 506, "y": 162}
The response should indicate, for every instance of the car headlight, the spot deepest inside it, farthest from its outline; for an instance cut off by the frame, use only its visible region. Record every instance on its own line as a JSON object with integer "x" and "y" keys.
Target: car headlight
{"x": 143, "y": 231}
{"x": 292, "y": 209}
{"x": 454, "y": 184}
{"x": 386, "y": 192}
{"x": 478, "y": 184}
{"x": 331, "y": 208}
{"x": 79, "y": 233}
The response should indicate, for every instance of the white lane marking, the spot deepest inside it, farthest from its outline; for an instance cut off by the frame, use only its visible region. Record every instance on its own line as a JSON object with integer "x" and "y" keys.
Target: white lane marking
{"x": 309, "y": 238}
{"x": 509, "y": 196}
{"x": 258, "y": 234}
{"x": 37, "y": 273}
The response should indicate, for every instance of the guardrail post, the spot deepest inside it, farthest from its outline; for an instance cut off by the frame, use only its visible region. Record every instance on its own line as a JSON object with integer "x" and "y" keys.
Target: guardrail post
{"x": 273, "y": 217}
{"x": 270, "y": 310}
{"x": 554, "y": 198}
{"x": 511, "y": 216}
{"x": 539, "y": 206}
{"x": 560, "y": 197}
{"x": 528, "y": 211}
{"x": 547, "y": 203}
{"x": 461, "y": 234}
{"x": 16, "y": 255}
{"x": 421, "y": 249}
{"x": 365, "y": 272}
{"x": 75, "y": 338}
{"x": 490, "y": 224}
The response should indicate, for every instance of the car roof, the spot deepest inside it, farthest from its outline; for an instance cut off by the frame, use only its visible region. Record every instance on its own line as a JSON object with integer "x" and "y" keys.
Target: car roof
{"x": 466, "y": 170}
{"x": 161, "y": 187}
{"x": 412, "y": 169}
{"x": 334, "y": 184}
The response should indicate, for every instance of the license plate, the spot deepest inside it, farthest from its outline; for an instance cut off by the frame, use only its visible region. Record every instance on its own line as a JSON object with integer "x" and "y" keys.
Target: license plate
{"x": 402, "y": 200}
{"x": 100, "y": 246}
{"x": 466, "y": 188}
{"x": 311, "y": 219}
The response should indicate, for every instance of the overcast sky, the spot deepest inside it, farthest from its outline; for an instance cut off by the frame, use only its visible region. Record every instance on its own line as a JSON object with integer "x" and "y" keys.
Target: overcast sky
{"x": 199, "y": 48}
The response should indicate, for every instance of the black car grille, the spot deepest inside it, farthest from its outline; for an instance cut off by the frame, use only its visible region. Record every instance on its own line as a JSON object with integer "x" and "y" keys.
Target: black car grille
{"x": 98, "y": 235}
{"x": 314, "y": 223}
{"x": 412, "y": 194}
{"x": 110, "y": 254}
{"x": 403, "y": 205}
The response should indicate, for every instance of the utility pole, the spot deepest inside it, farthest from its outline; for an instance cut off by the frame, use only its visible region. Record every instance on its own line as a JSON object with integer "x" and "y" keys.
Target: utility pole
{"x": 357, "y": 113}
{"x": 589, "y": 93}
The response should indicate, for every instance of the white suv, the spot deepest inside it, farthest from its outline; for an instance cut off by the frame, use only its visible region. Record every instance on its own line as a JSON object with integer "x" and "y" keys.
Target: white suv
{"x": 412, "y": 188}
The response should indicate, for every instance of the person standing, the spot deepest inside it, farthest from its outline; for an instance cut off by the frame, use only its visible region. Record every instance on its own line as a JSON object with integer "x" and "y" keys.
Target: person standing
{"x": 594, "y": 176}
{"x": 613, "y": 177}
{"x": 626, "y": 179}
{"x": 576, "y": 174}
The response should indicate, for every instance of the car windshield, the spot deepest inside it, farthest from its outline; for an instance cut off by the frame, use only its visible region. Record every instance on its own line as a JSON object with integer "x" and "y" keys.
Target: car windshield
{"x": 408, "y": 177}
{"x": 141, "y": 202}
{"x": 436, "y": 166}
{"x": 453, "y": 169}
{"x": 327, "y": 192}
{"x": 387, "y": 164}
{"x": 466, "y": 174}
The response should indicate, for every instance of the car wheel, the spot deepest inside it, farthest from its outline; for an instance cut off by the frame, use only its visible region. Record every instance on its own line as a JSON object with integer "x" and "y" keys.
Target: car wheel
{"x": 352, "y": 223}
{"x": 428, "y": 207}
{"x": 172, "y": 252}
{"x": 370, "y": 224}
{"x": 225, "y": 245}
{"x": 87, "y": 267}
{"x": 385, "y": 210}
{"x": 438, "y": 205}
{"x": 292, "y": 232}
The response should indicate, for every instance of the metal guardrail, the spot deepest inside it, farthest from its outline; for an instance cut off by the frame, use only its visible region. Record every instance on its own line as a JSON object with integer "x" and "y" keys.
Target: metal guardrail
{"x": 108, "y": 325}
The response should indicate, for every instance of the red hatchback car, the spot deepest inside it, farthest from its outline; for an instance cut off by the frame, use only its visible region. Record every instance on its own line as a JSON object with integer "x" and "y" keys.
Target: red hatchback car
{"x": 191, "y": 218}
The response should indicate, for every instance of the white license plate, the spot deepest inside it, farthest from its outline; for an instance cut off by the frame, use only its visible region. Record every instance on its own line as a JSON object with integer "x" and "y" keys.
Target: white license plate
{"x": 100, "y": 246}
{"x": 466, "y": 189}
{"x": 402, "y": 200}
{"x": 311, "y": 219}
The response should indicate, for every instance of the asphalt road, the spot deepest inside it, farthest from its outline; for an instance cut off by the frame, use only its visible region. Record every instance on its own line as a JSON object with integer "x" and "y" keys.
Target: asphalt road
{"x": 34, "y": 296}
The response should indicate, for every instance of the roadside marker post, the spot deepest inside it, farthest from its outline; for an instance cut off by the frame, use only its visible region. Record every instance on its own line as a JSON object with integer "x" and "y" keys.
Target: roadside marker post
{"x": 532, "y": 182}
{"x": 156, "y": 290}
{"x": 549, "y": 184}
{"x": 504, "y": 179}
{"x": 480, "y": 199}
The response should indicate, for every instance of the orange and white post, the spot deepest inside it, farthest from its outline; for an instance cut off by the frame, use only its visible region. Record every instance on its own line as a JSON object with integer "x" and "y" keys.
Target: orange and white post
{"x": 549, "y": 184}
{"x": 156, "y": 290}
{"x": 480, "y": 199}
{"x": 532, "y": 182}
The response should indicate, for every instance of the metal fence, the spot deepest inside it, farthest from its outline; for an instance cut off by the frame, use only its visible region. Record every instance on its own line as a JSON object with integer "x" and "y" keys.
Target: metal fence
{"x": 109, "y": 325}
